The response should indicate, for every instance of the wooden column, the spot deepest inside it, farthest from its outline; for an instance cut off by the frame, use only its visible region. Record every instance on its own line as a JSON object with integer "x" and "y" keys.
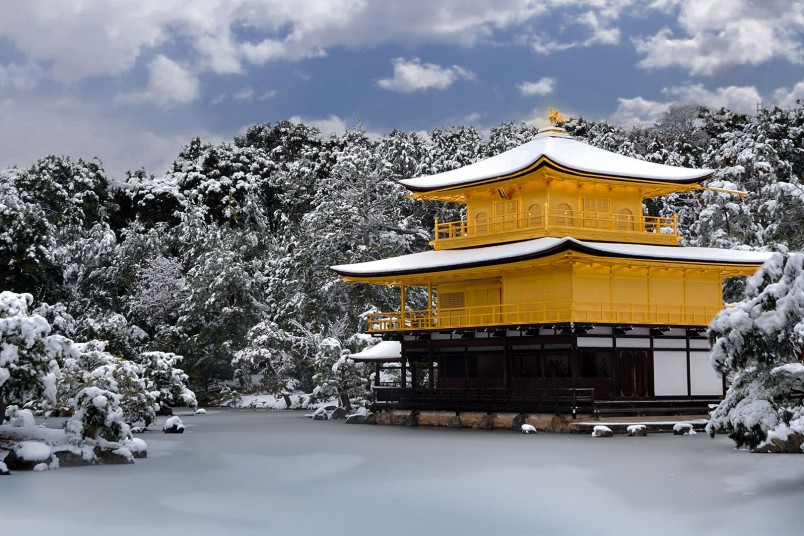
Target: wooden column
{"x": 430, "y": 322}
{"x": 506, "y": 365}
{"x": 402, "y": 304}
{"x": 377, "y": 369}
{"x": 404, "y": 380}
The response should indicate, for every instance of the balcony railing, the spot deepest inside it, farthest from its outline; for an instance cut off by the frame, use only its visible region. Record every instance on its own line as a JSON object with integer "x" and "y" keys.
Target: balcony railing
{"x": 556, "y": 222}
{"x": 542, "y": 313}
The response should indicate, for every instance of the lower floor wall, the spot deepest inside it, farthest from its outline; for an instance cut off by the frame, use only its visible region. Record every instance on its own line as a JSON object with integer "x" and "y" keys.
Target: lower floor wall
{"x": 618, "y": 362}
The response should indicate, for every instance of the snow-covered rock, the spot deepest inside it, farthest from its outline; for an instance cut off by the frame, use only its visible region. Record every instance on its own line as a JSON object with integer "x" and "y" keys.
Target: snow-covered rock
{"x": 200, "y": 411}
{"x": 360, "y": 416}
{"x": 75, "y": 456}
{"x": 321, "y": 415}
{"x": 683, "y": 428}
{"x": 602, "y": 431}
{"x": 4, "y": 469}
{"x": 173, "y": 425}
{"x": 338, "y": 413}
{"x": 27, "y": 455}
{"x": 528, "y": 429}
{"x": 637, "y": 430}
{"x": 137, "y": 447}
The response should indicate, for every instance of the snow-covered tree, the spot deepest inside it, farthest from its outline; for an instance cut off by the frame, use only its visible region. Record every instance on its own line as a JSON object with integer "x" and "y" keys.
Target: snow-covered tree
{"x": 95, "y": 368}
{"x": 337, "y": 375}
{"x": 29, "y": 354}
{"x": 164, "y": 381}
{"x": 759, "y": 344}
{"x": 98, "y": 415}
{"x": 277, "y": 357}
{"x": 27, "y": 243}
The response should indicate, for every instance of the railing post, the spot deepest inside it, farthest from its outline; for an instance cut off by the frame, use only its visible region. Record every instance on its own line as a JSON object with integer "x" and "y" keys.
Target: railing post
{"x": 675, "y": 223}
{"x": 435, "y": 233}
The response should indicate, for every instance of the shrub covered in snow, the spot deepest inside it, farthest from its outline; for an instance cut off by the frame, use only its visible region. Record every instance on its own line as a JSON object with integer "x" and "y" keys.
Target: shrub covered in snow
{"x": 95, "y": 367}
{"x": 337, "y": 374}
{"x": 759, "y": 343}
{"x": 98, "y": 415}
{"x": 166, "y": 383}
{"x": 28, "y": 352}
{"x": 20, "y": 418}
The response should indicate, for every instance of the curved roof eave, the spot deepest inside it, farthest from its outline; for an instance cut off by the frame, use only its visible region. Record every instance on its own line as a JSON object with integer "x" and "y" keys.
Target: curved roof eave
{"x": 563, "y": 152}
{"x": 446, "y": 260}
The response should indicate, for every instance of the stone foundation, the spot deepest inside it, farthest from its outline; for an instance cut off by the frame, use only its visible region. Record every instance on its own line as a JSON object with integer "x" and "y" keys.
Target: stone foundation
{"x": 477, "y": 420}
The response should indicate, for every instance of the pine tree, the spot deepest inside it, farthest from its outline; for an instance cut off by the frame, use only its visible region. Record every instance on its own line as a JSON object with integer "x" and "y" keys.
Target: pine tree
{"x": 759, "y": 344}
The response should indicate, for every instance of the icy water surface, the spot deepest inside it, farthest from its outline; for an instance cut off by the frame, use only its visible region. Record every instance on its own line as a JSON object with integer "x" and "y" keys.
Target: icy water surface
{"x": 278, "y": 473}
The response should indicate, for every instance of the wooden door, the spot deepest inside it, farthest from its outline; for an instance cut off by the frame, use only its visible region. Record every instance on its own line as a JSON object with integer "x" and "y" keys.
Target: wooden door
{"x": 633, "y": 373}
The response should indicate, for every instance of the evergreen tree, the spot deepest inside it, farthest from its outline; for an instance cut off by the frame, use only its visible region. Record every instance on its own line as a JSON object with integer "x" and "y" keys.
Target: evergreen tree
{"x": 759, "y": 344}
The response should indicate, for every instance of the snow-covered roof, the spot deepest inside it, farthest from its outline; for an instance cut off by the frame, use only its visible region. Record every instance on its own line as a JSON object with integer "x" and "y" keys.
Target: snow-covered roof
{"x": 558, "y": 148}
{"x": 382, "y": 351}
{"x": 452, "y": 259}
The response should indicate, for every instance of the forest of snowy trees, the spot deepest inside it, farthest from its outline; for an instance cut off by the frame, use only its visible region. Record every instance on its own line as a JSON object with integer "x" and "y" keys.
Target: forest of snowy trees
{"x": 223, "y": 259}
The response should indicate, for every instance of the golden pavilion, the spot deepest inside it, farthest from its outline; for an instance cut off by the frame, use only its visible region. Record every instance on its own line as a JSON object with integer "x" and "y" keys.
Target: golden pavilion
{"x": 556, "y": 293}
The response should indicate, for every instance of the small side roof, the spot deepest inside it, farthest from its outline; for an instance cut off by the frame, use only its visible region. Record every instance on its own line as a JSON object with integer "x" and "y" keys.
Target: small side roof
{"x": 382, "y": 352}
{"x": 564, "y": 151}
{"x": 453, "y": 259}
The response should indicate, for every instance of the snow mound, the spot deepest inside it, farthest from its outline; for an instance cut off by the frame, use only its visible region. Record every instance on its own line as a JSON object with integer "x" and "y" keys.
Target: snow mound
{"x": 200, "y": 411}
{"x": 637, "y": 430}
{"x": 173, "y": 425}
{"x": 602, "y": 431}
{"x": 3, "y": 469}
{"x": 683, "y": 428}
{"x": 528, "y": 429}
{"x": 22, "y": 418}
{"x": 33, "y": 451}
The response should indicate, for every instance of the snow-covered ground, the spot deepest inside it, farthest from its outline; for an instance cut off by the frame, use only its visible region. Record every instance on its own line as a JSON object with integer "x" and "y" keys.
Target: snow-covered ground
{"x": 269, "y": 472}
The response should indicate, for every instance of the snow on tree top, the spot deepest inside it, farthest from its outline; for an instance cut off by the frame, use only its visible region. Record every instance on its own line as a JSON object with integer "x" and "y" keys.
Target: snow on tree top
{"x": 466, "y": 258}
{"x": 560, "y": 149}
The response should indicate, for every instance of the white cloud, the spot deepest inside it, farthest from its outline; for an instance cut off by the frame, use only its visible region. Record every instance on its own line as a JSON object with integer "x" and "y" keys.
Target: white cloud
{"x": 332, "y": 125}
{"x": 412, "y": 75}
{"x": 544, "y": 86}
{"x": 746, "y": 32}
{"x": 168, "y": 84}
{"x": 785, "y": 97}
{"x": 77, "y": 39}
{"x": 738, "y": 98}
{"x": 596, "y": 24}
{"x": 639, "y": 110}
{"x": 20, "y": 77}
{"x": 88, "y": 131}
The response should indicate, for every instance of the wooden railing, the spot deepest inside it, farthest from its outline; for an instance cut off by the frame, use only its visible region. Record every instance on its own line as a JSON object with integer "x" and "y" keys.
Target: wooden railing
{"x": 558, "y": 400}
{"x": 552, "y": 222}
{"x": 541, "y": 313}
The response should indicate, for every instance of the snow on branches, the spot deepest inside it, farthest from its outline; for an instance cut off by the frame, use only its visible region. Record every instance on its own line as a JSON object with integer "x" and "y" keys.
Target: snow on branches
{"x": 759, "y": 342}
{"x": 29, "y": 354}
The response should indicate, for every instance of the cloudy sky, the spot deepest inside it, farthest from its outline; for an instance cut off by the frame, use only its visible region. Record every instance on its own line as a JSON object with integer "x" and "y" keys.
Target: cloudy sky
{"x": 131, "y": 81}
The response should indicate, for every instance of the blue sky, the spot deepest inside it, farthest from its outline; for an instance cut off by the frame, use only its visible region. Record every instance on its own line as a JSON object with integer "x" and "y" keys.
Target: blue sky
{"x": 131, "y": 81}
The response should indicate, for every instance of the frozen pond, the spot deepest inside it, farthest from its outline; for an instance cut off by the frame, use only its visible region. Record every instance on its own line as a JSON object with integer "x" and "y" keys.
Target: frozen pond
{"x": 278, "y": 473}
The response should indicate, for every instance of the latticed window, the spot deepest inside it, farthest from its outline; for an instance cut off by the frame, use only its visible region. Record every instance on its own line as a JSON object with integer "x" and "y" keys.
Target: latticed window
{"x": 534, "y": 215}
{"x": 564, "y": 214}
{"x": 625, "y": 220}
{"x": 481, "y": 223}
{"x": 595, "y": 211}
{"x": 451, "y": 300}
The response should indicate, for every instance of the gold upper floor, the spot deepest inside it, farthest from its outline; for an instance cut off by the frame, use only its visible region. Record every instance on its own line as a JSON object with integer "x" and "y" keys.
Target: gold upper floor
{"x": 548, "y": 202}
